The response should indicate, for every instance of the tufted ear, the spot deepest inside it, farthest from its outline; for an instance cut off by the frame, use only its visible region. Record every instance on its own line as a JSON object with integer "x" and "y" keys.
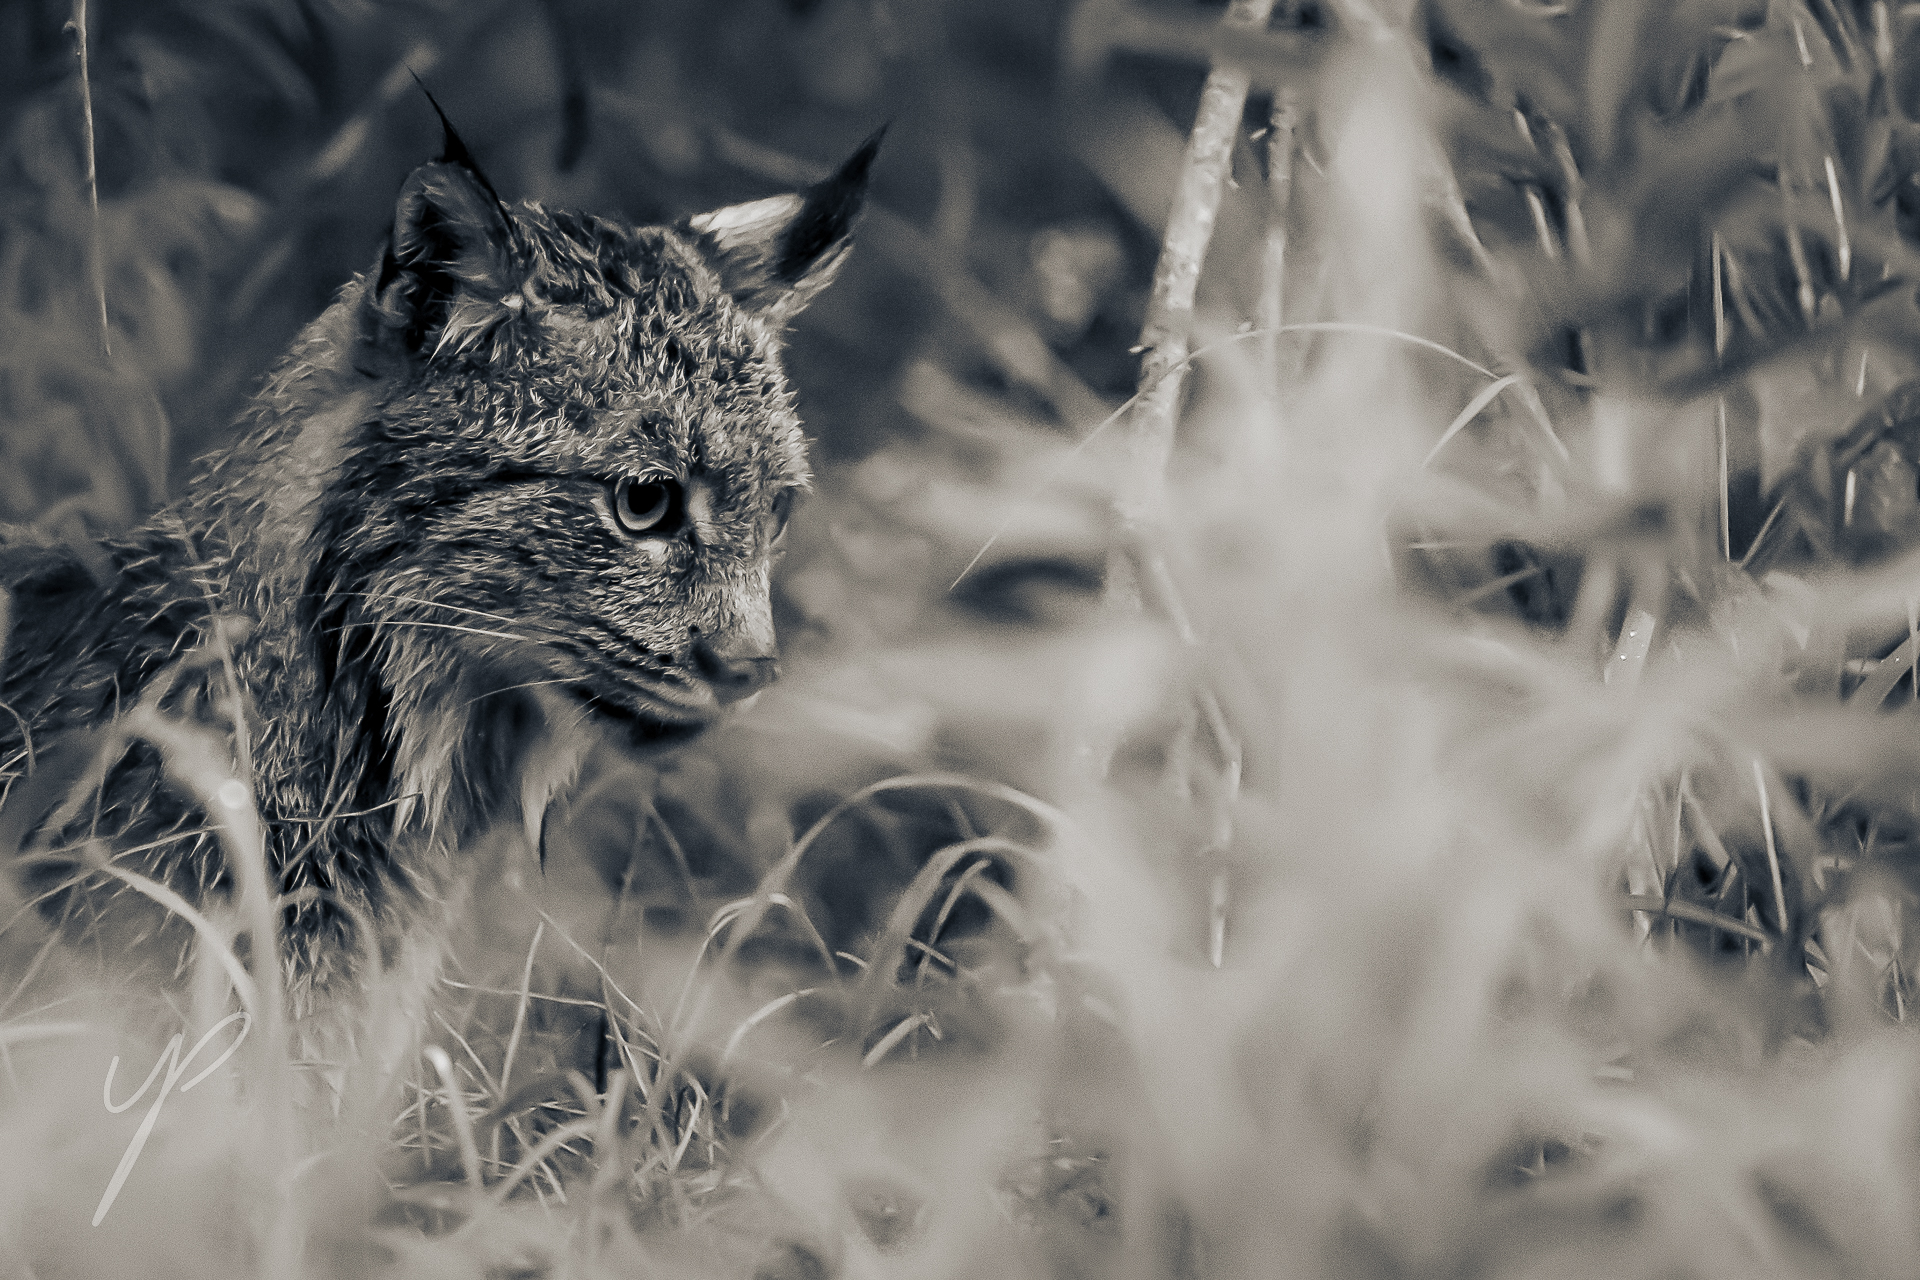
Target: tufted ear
{"x": 449, "y": 260}
{"x": 774, "y": 255}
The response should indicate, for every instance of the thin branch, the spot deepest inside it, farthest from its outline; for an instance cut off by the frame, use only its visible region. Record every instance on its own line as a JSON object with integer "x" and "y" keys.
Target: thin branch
{"x": 1196, "y": 204}
{"x": 1138, "y": 572}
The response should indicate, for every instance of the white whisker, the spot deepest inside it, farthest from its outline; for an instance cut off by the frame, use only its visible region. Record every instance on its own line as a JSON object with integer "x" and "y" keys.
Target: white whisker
{"x": 433, "y": 604}
{"x": 445, "y": 626}
{"x": 509, "y": 688}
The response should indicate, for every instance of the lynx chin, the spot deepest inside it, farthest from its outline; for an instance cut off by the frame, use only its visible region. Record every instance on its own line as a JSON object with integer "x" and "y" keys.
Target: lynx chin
{"x": 526, "y": 475}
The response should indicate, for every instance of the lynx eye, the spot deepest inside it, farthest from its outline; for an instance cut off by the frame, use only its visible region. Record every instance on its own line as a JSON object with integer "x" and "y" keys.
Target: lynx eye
{"x": 647, "y": 507}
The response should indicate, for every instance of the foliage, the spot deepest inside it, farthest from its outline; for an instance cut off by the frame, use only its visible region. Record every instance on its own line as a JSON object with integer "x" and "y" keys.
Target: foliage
{"x": 1559, "y": 920}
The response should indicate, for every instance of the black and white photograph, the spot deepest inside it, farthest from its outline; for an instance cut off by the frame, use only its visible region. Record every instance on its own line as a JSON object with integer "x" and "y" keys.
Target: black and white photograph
{"x": 959, "y": 639}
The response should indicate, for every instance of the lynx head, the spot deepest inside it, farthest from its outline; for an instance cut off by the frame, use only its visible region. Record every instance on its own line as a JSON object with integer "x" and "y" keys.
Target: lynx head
{"x": 574, "y": 463}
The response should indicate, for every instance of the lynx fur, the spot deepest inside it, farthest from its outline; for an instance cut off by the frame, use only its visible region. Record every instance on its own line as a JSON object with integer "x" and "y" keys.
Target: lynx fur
{"x": 521, "y": 480}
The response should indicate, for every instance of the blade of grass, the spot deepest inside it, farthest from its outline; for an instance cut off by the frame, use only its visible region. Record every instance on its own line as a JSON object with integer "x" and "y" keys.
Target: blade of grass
{"x": 520, "y": 1009}
{"x": 776, "y": 879}
{"x": 456, "y": 1101}
{"x": 759, "y": 1016}
{"x": 1886, "y": 674}
{"x": 215, "y": 937}
{"x": 1281, "y": 125}
{"x": 913, "y": 902}
{"x": 1480, "y": 401}
{"x": 1696, "y": 914}
{"x": 900, "y": 1031}
{"x": 1773, "y": 852}
{"x": 545, "y": 1149}
{"x": 96, "y": 256}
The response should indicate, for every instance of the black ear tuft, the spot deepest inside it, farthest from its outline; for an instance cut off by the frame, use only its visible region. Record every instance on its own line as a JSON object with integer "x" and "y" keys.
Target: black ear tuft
{"x": 453, "y": 148}
{"x": 450, "y": 261}
{"x": 774, "y": 255}
{"x": 829, "y": 213}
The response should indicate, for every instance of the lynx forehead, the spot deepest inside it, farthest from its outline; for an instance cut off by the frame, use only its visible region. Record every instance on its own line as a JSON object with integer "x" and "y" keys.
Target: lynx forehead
{"x": 622, "y": 346}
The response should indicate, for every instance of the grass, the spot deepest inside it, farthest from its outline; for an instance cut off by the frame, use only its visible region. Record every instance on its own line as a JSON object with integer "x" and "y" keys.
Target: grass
{"x": 1480, "y": 844}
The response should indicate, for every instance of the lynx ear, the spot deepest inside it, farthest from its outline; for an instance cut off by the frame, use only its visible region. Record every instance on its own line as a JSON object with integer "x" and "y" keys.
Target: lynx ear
{"x": 449, "y": 260}
{"x": 774, "y": 255}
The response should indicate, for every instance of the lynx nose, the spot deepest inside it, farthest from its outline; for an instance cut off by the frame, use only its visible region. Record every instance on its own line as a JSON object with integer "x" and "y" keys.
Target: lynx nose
{"x": 733, "y": 676}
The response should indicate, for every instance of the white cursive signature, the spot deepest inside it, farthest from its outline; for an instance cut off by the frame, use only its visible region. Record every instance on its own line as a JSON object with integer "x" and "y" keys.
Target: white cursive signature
{"x": 176, "y": 1067}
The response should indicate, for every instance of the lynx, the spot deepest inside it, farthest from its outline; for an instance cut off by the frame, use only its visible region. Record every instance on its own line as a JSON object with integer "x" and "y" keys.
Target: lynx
{"x": 522, "y": 482}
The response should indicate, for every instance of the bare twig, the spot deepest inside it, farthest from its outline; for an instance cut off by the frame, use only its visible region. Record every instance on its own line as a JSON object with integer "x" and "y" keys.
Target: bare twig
{"x": 1138, "y": 573}
{"x": 1149, "y": 436}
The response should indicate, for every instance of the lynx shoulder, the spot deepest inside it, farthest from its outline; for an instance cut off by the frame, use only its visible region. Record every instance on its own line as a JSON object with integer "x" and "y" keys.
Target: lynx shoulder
{"x": 523, "y": 480}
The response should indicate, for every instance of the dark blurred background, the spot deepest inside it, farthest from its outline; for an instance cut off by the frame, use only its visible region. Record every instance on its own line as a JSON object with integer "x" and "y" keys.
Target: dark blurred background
{"x": 249, "y": 151}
